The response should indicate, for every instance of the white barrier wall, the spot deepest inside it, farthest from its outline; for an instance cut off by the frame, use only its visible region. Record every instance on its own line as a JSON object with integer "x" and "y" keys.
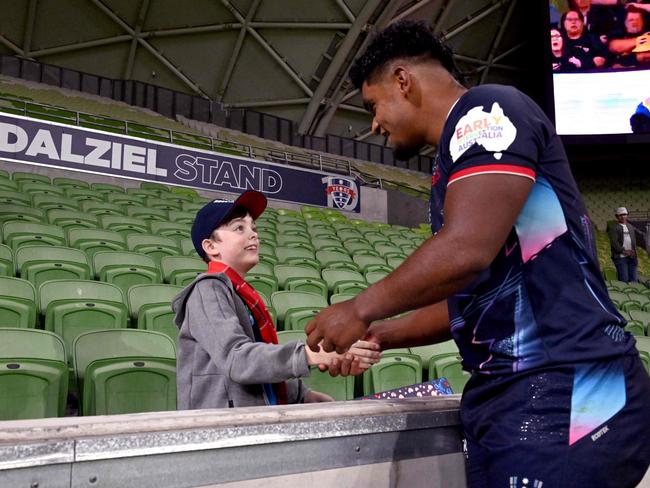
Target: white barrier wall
{"x": 404, "y": 444}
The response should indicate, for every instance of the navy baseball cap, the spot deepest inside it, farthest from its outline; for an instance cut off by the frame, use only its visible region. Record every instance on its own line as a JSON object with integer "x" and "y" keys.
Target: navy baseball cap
{"x": 214, "y": 213}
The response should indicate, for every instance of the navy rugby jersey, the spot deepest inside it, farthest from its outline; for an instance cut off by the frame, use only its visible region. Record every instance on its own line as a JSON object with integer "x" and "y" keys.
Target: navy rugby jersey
{"x": 543, "y": 300}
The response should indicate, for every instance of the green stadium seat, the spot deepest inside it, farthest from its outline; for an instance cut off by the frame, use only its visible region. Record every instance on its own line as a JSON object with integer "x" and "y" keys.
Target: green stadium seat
{"x": 328, "y": 244}
{"x": 438, "y": 351}
{"x": 187, "y": 247}
{"x": 340, "y": 388}
{"x": 154, "y": 246}
{"x": 193, "y": 207}
{"x": 106, "y": 188}
{"x": 72, "y": 307}
{"x": 124, "y": 200}
{"x": 39, "y": 264}
{"x": 395, "y": 261}
{"x": 181, "y": 217}
{"x": 266, "y": 237}
{"x": 17, "y": 234}
{"x": 125, "y": 371}
{"x": 157, "y": 187}
{"x": 387, "y": 250}
{"x": 392, "y": 371}
{"x": 617, "y": 285}
{"x": 346, "y": 234}
{"x": 322, "y": 232}
{"x": 262, "y": 283}
{"x": 289, "y": 215}
{"x": 71, "y": 219}
{"x": 339, "y": 280}
{"x": 124, "y": 225}
{"x": 359, "y": 247}
{"x": 12, "y": 197}
{"x": 375, "y": 239}
{"x": 267, "y": 253}
{"x": 143, "y": 192}
{"x": 641, "y": 316}
{"x": 297, "y": 255}
{"x": 635, "y": 328}
{"x": 82, "y": 194}
{"x": 20, "y": 212}
{"x": 125, "y": 269}
{"x": 47, "y": 202}
{"x": 289, "y": 303}
{"x": 370, "y": 263}
{"x": 176, "y": 197}
{"x": 150, "y": 308}
{"x": 341, "y": 297}
{"x": 7, "y": 184}
{"x": 33, "y": 374}
{"x": 32, "y": 189}
{"x": 338, "y": 260}
{"x": 101, "y": 208}
{"x": 170, "y": 229}
{"x": 162, "y": 204}
{"x": 287, "y": 336}
{"x": 289, "y": 239}
{"x": 23, "y": 176}
{"x": 181, "y": 270}
{"x": 92, "y": 240}
{"x": 188, "y": 192}
{"x": 147, "y": 213}
{"x": 70, "y": 183}
{"x": 300, "y": 278}
{"x": 610, "y": 274}
{"x": 643, "y": 346}
{"x": 17, "y": 303}
{"x": 7, "y": 266}
{"x": 373, "y": 277}
{"x": 261, "y": 268}
{"x": 450, "y": 367}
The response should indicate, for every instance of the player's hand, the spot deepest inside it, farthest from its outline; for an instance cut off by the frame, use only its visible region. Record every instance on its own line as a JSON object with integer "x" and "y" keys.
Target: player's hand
{"x": 335, "y": 328}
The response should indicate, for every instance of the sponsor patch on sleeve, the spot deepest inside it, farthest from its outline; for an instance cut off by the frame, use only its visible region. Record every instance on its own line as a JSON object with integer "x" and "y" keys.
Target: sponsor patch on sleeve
{"x": 493, "y": 130}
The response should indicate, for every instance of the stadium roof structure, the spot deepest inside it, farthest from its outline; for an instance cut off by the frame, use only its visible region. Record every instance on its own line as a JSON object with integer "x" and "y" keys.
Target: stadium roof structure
{"x": 289, "y": 58}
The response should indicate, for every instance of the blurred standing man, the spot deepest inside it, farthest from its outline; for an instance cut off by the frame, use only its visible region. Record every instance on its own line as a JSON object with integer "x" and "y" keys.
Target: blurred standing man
{"x": 622, "y": 238}
{"x": 558, "y": 395}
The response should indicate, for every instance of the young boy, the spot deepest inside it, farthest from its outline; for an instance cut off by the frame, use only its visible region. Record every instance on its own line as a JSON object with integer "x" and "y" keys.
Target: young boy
{"x": 228, "y": 352}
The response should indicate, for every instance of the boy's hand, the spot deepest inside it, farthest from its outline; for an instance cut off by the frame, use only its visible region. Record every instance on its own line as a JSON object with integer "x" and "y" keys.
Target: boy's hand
{"x": 317, "y": 397}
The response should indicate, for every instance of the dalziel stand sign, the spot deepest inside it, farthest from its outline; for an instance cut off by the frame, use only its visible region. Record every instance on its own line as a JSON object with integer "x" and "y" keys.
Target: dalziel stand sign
{"x": 46, "y": 143}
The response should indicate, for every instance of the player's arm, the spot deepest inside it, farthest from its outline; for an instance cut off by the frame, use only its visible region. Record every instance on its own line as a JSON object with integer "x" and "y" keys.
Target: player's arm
{"x": 423, "y": 326}
{"x": 480, "y": 211}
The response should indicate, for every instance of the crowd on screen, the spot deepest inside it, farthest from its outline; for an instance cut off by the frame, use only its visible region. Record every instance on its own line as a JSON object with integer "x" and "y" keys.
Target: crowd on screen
{"x": 589, "y": 35}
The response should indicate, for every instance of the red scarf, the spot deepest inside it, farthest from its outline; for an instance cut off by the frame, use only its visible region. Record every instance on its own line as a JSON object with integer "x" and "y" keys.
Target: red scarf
{"x": 260, "y": 313}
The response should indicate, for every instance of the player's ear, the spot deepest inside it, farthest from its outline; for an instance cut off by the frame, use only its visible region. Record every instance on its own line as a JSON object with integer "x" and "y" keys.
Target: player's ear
{"x": 403, "y": 78}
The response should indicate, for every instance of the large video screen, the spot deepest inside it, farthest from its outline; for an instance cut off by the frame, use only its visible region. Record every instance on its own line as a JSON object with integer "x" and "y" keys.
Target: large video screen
{"x": 600, "y": 59}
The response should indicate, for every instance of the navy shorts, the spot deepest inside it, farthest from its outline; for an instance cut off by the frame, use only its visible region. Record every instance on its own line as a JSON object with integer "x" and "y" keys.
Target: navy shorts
{"x": 563, "y": 427}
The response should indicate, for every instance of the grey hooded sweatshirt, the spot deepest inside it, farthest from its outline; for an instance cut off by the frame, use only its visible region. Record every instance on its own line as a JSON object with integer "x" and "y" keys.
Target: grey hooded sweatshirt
{"x": 218, "y": 362}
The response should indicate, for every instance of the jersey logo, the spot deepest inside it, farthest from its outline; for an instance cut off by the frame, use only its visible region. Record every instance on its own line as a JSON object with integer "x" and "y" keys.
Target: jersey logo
{"x": 492, "y": 130}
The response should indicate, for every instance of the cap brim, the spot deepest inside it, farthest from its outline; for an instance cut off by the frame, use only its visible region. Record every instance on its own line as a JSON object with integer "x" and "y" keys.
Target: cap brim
{"x": 253, "y": 201}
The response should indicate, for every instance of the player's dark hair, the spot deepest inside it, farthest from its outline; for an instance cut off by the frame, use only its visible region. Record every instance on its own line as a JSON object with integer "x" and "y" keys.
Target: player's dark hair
{"x": 403, "y": 39}
{"x": 640, "y": 124}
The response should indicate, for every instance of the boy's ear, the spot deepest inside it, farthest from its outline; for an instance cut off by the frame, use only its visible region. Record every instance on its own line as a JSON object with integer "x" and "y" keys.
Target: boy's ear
{"x": 210, "y": 248}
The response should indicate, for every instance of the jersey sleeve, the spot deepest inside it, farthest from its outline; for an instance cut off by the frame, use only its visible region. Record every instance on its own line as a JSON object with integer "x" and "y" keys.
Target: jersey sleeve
{"x": 495, "y": 130}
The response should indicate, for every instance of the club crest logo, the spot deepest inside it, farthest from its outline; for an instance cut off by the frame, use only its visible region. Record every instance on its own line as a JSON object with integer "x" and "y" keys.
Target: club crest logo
{"x": 342, "y": 193}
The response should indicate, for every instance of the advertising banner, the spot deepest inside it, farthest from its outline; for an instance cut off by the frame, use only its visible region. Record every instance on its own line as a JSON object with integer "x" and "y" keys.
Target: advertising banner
{"x": 34, "y": 141}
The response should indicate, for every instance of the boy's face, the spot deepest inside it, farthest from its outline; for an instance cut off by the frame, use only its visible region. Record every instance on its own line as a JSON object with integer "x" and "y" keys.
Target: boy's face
{"x": 235, "y": 244}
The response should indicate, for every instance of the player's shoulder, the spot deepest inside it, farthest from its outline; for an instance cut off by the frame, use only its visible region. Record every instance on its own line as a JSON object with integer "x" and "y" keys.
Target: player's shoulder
{"x": 486, "y": 95}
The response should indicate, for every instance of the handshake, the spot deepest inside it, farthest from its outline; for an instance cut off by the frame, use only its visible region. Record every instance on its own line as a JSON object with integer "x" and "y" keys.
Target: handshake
{"x": 358, "y": 358}
{"x": 340, "y": 342}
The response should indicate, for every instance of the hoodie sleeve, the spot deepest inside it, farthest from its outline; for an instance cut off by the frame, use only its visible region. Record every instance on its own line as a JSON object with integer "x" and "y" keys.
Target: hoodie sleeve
{"x": 213, "y": 322}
